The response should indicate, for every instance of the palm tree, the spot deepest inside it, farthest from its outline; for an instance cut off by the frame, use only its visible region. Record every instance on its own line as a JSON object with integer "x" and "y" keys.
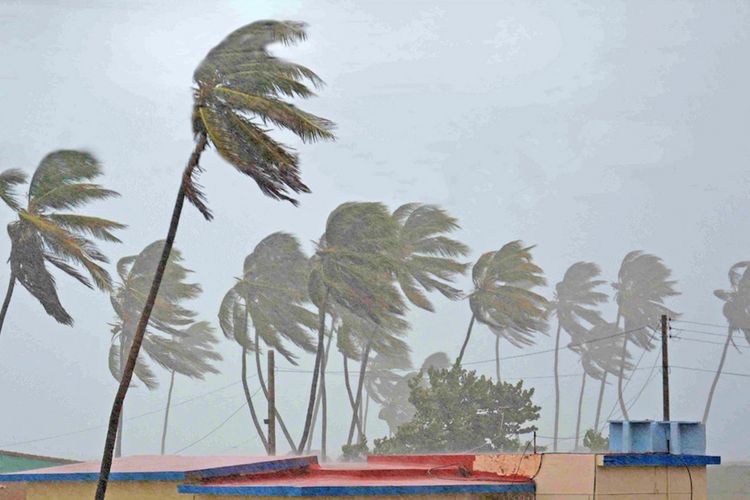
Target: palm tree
{"x": 573, "y": 304}
{"x": 273, "y": 293}
{"x": 240, "y": 89}
{"x": 425, "y": 255}
{"x": 737, "y": 312}
{"x": 643, "y": 284}
{"x": 503, "y": 298}
{"x": 47, "y": 232}
{"x": 174, "y": 339}
{"x": 353, "y": 272}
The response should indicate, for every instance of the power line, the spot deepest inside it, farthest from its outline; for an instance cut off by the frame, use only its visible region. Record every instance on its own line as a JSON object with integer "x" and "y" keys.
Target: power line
{"x": 708, "y": 342}
{"x": 697, "y": 323}
{"x": 235, "y": 412}
{"x": 712, "y": 334}
{"x": 693, "y": 369}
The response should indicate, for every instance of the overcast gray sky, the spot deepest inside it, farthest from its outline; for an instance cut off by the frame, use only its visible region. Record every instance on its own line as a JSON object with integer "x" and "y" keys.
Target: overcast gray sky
{"x": 588, "y": 128}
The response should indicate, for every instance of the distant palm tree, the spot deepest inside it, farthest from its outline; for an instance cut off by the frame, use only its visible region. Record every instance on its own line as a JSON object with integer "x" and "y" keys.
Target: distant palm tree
{"x": 273, "y": 292}
{"x": 240, "y": 88}
{"x": 47, "y": 231}
{"x": 503, "y": 298}
{"x": 425, "y": 255}
{"x": 737, "y": 312}
{"x": 174, "y": 339}
{"x": 643, "y": 284}
{"x": 574, "y": 305}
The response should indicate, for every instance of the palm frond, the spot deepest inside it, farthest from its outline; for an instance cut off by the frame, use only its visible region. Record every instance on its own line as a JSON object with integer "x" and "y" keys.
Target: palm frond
{"x": 9, "y": 180}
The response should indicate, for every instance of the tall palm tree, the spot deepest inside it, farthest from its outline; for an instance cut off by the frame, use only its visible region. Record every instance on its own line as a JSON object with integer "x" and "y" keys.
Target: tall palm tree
{"x": 353, "y": 271}
{"x": 273, "y": 293}
{"x": 503, "y": 297}
{"x": 425, "y": 255}
{"x": 240, "y": 89}
{"x": 736, "y": 310}
{"x": 174, "y": 339}
{"x": 643, "y": 284}
{"x": 574, "y": 305}
{"x": 49, "y": 231}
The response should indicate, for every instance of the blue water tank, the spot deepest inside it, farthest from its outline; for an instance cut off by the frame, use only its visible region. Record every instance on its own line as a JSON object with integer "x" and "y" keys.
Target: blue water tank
{"x": 648, "y": 436}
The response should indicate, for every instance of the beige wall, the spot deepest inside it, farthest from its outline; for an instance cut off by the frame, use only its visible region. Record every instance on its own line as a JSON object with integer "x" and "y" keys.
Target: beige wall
{"x": 117, "y": 490}
{"x": 464, "y": 496}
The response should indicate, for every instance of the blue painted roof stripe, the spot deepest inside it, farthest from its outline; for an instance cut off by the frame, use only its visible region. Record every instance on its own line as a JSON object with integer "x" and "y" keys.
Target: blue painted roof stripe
{"x": 317, "y": 491}
{"x": 162, "y": 475}
{"x": 658, "y": 459}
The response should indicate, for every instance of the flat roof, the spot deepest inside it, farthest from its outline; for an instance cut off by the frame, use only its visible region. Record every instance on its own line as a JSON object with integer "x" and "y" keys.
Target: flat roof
{"x": 161, "y": 468}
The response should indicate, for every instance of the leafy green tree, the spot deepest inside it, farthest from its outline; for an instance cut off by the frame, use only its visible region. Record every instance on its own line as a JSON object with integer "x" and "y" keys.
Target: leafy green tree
{"x": 353, "y": 270}
{"x": 594, "y": 441}
{"x": 175, "y": 339}
{"x": 240, "y": 90}
{"x": 273, "y": 293}
{"x": 574, "y": 303}
{"x": 425, "y": 255}
{"x": 458, "y": 411}
{"x": 48, "y": 231}
{"x": 736, "y": 310}
{"x": 643, "y": 284}
{"x": 504, "y": 300}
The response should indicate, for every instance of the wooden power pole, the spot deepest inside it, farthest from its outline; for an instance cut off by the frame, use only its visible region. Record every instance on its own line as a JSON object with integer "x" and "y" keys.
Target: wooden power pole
{"x": 271, "y": 404}
{"x": 665, "y": 364}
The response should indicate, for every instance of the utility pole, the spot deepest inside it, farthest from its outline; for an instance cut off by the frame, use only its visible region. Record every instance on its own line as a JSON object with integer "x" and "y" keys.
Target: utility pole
{"x": 665, "y": 364}
{"x": 271, "y": 404}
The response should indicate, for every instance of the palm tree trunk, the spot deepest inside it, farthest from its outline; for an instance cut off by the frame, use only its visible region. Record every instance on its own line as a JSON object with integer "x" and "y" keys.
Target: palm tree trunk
{"x": 497, "y": 359}
{"x": 718, "y": 374}
{"x": 358, "y": 400}
{"x": 250, "y": 404}
{"x": 363, "y": 424}
{"x": 6, "y": 302}
{"x": 466, "y": 342}
{"x": 320, "y": 395}
{"x": 557, "y": 386}
{"x": 263, "y": 386}
{"x": 620, "y": 377}
{"x": 122, "y": 390}
{"x": 324, "y": 416}
{"x": 118, "y": 444}
{"x": 349, "y": 392}
{"x": 166, "y": 414}
{"x": 599, "y": 402}
{"x": 580, "y": 409}
{"x": 316, "y": 371}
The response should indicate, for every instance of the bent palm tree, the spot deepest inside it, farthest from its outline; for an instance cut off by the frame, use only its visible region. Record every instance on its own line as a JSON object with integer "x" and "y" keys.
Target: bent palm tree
{"x": 353, "y": 272}
{"x": 174, "y": 339}
{"x": 643, "y": 283}
{"x": 240, "y": 90}
{"x": 573, "y": 304}
{"x": 426, "y": 257}
{"x": 503, "y": 298}
{"x": 48, "y": 232}
{"x": 737, "y": 312}
{"x": 273, "y": 292}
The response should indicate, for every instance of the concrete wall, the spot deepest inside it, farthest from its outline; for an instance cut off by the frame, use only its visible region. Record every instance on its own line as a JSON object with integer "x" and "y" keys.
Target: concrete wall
{"x": 117, "y": 490}
{"x": 729, "y": 481}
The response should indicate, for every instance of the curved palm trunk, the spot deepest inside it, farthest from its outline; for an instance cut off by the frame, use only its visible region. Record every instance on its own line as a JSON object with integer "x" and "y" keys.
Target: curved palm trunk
{"x": 580, "y": 408}
{"x": 466, "y": 342}
{"x": 263, "y": 386}
{"x": 620, "y": 377}
{"x": 718, "y": 374}
{"x": 324, "y": 419}
{"x": 122, "y": 390}
{"x": 599, "y": 402}
{"x": 118, "y": 444}
{"x": 358, "y": 399}
{"x": 363, "y": 424}
{"x": 316, "y": 372}
{"x": 320, "y": 395}
{"x": 557, "y": 387}
{"x": 6, "y": 302}
{"x": 349, "y": 392}
{"x": 166, "y": 414}
{"x": 250, "y": 404}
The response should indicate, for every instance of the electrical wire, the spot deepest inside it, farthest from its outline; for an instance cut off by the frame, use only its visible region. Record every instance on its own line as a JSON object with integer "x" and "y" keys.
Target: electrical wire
{"x": 709, "y": 342}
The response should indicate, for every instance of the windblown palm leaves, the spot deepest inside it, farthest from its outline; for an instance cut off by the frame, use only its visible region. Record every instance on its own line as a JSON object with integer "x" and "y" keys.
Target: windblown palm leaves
{"x": 503, "y": 296}
{"x": 48, "y": 231}
{"x": 240, "y": 91}
{"x": 426, "y": 257}
{"x": 174, "y": 339}
{"x": 271, "y": 294}
{"x": 736, "y": 310}
{"x": 573, "y": 304}
{"x": 643, "y": 284}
